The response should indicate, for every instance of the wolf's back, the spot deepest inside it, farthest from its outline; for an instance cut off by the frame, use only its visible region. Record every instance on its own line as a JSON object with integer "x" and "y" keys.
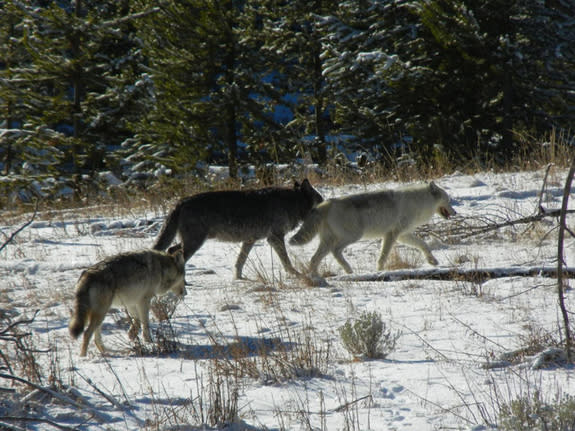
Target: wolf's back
{"x": 81, "y": 307}
{"x": 310, "y": 226}
{"x": 169, "y": 229}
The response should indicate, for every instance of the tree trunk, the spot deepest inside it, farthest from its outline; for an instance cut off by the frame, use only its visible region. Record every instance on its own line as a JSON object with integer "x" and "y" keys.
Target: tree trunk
{"x": 76, "y": 87}
{"x": 230, "y": 133}
{"x": 561, "y": 262}
{"x": 231, "y": 140}
{"x": 319, "y": 142}
{"x": 318, "y": 82}
{"x": 507, "y": 132}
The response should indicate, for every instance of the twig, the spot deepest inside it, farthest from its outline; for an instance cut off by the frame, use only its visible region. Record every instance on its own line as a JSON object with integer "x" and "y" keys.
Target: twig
{"x": 440, "y": 407}
{"x": 8, "y": 328}
{"x": 540, "y": 205}
{"x": 32, "y": 419}
{"x": 113, "y": 401}
{"x": 57, "y": 395}
{"x": 106, "y": 396}
{"x": 476, "y": 333}
{"x": 522, "y": 292}
{"x": 109, "y": 365}
{"x": 466, "y": 228}
{"x": 425, "y": 342}
{"x": 21, "y": 228}
{"x": 350, "y": 403}
{"x": 10, "y": 427}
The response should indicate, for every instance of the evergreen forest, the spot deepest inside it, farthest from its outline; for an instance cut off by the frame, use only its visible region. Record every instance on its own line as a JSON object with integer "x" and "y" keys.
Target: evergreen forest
{"x": 146, "y": 88}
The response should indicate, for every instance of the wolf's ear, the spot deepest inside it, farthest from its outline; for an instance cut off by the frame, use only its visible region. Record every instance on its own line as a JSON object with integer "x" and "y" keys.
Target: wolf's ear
{"x": 433, "y": 187}
{"x": 305, "y": 184}
{"x": 296, "y": 185}
{"x": 173, "y": 249}
{"x": 178, "y": 255}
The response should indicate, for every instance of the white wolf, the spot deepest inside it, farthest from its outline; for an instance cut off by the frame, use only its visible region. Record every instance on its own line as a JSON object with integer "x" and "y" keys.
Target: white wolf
{"x": 390, "y": 215}
{"x": 129, "y": 279}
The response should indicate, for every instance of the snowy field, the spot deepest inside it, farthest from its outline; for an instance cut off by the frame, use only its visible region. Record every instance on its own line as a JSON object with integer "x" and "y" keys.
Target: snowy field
{"x": 274, "y": 340}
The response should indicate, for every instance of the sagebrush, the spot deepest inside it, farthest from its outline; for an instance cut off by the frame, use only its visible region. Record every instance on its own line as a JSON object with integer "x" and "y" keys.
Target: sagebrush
{"x": 368, "y": 336}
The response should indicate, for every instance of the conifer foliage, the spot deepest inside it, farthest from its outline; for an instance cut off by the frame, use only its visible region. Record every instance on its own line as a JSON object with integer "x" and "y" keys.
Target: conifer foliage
{"x": 67, "y": 95}
{"x": 146, "y": 88}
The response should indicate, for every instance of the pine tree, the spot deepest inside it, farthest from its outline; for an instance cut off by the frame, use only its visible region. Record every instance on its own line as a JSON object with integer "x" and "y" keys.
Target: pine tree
{"x": 501, "y": 58}
{"x": 363, "y": 49}
{"x": 211, "y": 93}
{"x": 293, "y": 41}
{"x": 458, "y": 78}
{"x": 76, "y": 71}
{"x": 28, "y": 151}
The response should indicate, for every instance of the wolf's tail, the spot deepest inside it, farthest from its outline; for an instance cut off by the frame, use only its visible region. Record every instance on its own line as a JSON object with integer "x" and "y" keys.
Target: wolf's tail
{"x": 308, "y": 229}
{"x": 81, "y": 309}
{"x": 169, "y": 230}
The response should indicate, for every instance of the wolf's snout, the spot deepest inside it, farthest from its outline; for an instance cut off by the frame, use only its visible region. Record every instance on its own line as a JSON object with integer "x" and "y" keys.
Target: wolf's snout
{"x": 180, "y": 289}
{"x": 447, "y": 212}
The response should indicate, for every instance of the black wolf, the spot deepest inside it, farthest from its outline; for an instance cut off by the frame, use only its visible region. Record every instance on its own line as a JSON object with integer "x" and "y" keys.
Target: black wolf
{"x": 239, "y": 216}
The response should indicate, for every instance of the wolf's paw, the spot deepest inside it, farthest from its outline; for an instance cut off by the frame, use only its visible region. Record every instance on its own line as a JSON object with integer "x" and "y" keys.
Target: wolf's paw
{"x": 315, "y": 281}
{"x": 295, "y": 274}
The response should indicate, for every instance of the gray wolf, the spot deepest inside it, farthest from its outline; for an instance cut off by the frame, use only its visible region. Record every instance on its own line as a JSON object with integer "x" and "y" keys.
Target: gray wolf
{"x": 129, "y": 279}
{"x": 391, "y": 215}
{"x": 239, "y": 216}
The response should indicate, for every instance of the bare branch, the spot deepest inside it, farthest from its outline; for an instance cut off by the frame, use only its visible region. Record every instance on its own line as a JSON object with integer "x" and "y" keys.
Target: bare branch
{"x": 540, "y": 205}
{"x": 21, "y": 228}
{"x": 467, "y": 227}
{"x": 40, "y": 420}
{"x": 560, "y": 260}
{"x": 61, "y": 397}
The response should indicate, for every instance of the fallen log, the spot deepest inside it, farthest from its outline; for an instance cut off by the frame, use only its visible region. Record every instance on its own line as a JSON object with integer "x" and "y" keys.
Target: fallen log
{"x": 476, "y": 275}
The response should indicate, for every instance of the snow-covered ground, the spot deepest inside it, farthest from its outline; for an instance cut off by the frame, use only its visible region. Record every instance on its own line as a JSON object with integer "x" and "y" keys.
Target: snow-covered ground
{"x": 278, "y": 338}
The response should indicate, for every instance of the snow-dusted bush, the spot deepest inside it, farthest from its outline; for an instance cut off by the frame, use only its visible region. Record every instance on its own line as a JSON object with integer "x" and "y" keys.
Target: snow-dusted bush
{"x": 534, "y": 413}
{"x": 368, "y": 336}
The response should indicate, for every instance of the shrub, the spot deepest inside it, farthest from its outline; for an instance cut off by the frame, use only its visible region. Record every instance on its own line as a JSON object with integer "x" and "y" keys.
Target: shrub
{"x": 368, "y": 336}
{"x": 533, "y": 413}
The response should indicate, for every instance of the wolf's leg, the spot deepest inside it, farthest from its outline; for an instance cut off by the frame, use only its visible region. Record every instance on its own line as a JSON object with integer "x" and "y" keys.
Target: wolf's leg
{"x": 191, "y": 247}
{"x": 134, "y": 328}
{"x": 321, "y": 252}
{"x": 98, "y": 339}
{"x": 386, "y": 245}
{"x": 412, "y": 240}
{"x": 278, "y": 244}
{"x": 242, "y": 257}
{"x": 85, "y": 342}
{"x": 338, "y": 254}
{"x": 192, "y": 237}
{"x": 134, "y": 315}
{"x": 96, "y": 320}
{"x": 144, "y": 317}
